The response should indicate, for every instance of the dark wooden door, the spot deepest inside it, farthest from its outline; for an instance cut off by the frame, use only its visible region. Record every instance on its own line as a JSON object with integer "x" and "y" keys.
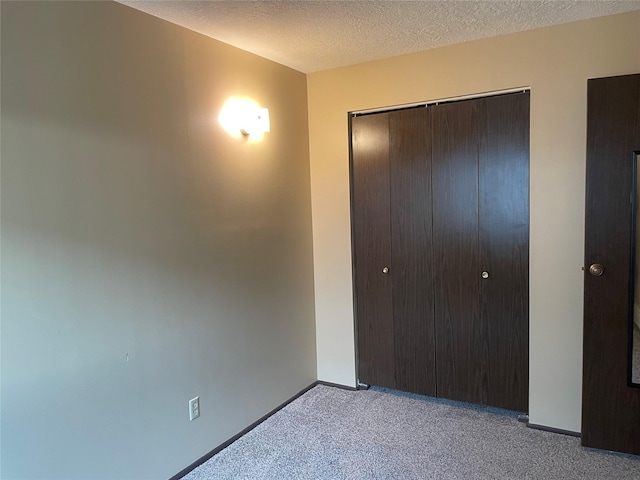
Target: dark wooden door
{"x": 439, "y": 195}
{"x": 370, "y": 200}
{"x": 391, "y": 202}
{"x": 610, "y": 408}
{"x": 455, "y": 246}
{"x": 481, "y": 229}
{"x": 412, "y": 256}
{"x": 504, "y": 249}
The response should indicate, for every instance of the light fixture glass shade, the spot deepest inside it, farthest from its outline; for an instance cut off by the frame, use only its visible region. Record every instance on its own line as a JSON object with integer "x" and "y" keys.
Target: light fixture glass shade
{"x": 256, "y": 121}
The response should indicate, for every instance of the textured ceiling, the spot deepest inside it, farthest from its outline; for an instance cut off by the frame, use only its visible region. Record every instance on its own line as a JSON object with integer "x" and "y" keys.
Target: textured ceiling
{"x": 310, "y": 36}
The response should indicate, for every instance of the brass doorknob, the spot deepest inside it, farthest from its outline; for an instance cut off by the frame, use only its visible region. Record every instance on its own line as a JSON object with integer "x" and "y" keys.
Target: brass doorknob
{"x": 596, "y": 270}
{"x": 385, "y": 270}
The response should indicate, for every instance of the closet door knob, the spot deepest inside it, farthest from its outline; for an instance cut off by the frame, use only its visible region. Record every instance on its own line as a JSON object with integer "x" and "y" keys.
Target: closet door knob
{"x": 385, "y": 270}
{"x": 485, "y": 275}
{"x": 596, "y": 269}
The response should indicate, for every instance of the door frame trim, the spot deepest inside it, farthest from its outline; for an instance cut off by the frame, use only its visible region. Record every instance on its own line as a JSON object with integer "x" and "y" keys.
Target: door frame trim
{"x": 426, "y": 103}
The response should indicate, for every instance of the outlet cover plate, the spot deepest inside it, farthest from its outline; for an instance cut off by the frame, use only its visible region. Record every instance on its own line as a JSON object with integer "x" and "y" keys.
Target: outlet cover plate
{"x": 194, "y": 408}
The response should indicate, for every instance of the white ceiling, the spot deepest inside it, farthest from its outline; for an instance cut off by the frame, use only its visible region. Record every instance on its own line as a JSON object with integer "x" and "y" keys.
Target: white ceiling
{"x": 310, "y": 36}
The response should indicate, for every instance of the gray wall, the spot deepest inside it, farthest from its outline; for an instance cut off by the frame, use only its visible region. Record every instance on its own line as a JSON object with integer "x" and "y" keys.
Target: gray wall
{"x": 147, "y": 255}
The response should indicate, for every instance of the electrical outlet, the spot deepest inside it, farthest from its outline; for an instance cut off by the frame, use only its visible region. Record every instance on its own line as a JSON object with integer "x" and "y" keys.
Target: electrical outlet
{"x": 194, "y": 408}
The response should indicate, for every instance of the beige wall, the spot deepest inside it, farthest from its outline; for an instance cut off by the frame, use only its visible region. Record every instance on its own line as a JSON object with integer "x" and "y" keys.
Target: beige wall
{"x": 556, "y": 63}
{"x": 147, "y": 256}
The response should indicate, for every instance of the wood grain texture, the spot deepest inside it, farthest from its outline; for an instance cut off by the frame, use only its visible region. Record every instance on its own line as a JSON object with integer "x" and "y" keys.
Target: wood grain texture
{"x": 440, "y": 194}
{"x": 372, "y": 249}
{"x": 481, "y": 223}
{"x": 504, "y": 249}
{"x": 610, "y": 408}
{"x": 412, "y": 274}
{"x": 455, "y": 245}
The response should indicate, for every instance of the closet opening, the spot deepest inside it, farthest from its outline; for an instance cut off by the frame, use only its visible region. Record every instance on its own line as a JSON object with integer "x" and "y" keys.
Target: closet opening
{"x": 440, "y": 243}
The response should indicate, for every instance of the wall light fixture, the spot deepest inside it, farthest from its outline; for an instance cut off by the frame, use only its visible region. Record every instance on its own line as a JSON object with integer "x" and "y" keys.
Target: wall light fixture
{"x": 255, "y": 120}
{"x": 243, "y": 117}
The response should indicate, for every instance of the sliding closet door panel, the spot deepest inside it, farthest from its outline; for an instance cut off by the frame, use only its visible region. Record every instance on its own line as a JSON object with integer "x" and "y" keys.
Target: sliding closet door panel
{"x": 459, "y": 346}
{"x": 372, "y": 249}
{"x": 504, "y": 248}
{"x": 412, "y": 274}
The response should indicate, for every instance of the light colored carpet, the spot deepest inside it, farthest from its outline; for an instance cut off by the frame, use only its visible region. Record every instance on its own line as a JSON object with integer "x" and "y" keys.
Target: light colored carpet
{"x": 329, "y": 433}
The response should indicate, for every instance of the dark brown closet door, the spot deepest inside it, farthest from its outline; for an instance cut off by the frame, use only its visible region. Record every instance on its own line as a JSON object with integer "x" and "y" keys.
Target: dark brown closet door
{"x": 391, "y": 201}
{"x": 481, "y": 244}
{"x": 610, "y": 408}
{"x": 412, "y": 274}
{"x": 439, "y": 195}
{"x": 372, "y": 249}
{"x": 504, "y": 249}
{"x": 459, "y": 335}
